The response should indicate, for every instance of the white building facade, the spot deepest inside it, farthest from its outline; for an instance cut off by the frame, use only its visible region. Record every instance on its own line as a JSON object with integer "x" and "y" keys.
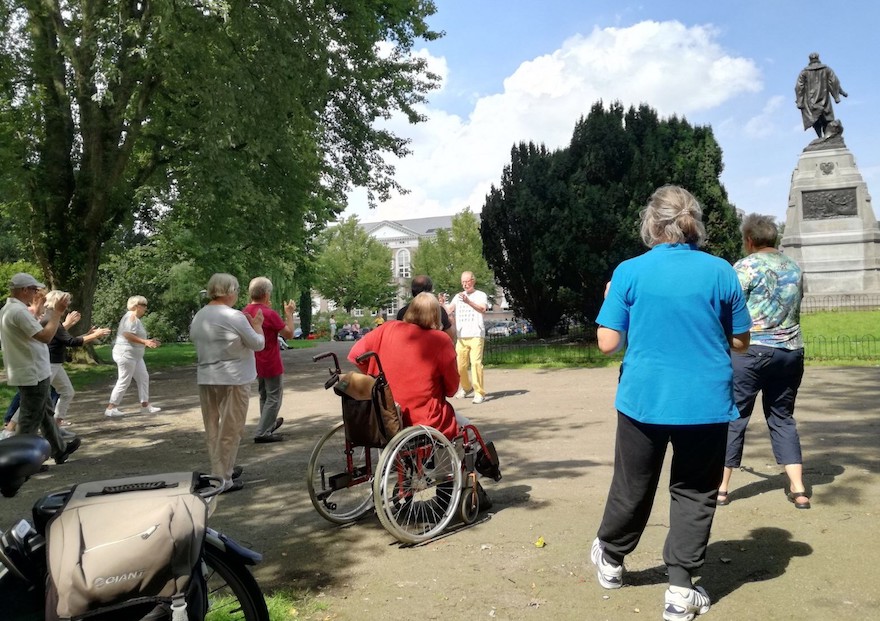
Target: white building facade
{"x": 402, "y": 237}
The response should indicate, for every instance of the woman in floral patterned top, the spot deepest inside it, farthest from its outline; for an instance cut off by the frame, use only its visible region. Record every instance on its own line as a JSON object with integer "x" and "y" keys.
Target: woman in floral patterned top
{"x": 774, "y": 363}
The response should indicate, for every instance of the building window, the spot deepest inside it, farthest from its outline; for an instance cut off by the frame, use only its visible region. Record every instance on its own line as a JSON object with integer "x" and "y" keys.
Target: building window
{"x": 358, "y": 312}
{"x": 403, "y": 264}
{"x": 391, "y": 309}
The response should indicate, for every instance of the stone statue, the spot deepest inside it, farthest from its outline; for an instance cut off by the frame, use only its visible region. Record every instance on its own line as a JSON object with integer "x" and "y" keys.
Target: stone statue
{"x": 816, "y": 86}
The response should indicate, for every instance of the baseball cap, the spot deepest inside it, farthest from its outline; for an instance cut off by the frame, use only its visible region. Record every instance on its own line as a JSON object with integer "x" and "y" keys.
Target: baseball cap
{"x": 22, "y": 281}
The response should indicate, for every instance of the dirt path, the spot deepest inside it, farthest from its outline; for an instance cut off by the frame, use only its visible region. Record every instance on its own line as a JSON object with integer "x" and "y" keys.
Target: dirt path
{"x": 555, "y": 433}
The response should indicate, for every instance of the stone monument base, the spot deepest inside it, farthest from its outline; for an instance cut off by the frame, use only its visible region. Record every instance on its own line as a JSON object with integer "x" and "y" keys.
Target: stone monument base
{"x": 830, "y": 227}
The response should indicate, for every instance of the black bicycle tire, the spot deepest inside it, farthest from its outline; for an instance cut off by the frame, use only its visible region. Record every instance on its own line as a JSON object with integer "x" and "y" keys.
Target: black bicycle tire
{"x": 240, "y": 581}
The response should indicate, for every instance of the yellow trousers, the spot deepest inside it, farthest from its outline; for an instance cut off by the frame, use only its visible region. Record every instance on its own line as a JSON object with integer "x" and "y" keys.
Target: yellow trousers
{"x": 470, "y": 351}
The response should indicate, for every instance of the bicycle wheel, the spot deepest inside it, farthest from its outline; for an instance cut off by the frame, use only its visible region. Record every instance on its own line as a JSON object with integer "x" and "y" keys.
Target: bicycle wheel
{"x": 233, "y": 594}
{"x": 340, "y": 489}
{"x": 418, "y": 484}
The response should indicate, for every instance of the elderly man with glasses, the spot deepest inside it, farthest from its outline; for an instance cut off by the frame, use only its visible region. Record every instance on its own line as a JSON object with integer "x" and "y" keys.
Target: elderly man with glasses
{"x": 26, "y": 358}
{"x": 468, "y": 308}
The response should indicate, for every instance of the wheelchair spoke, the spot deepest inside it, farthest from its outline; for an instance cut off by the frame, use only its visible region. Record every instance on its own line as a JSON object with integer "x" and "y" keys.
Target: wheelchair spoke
{"x": 418, "y": 483}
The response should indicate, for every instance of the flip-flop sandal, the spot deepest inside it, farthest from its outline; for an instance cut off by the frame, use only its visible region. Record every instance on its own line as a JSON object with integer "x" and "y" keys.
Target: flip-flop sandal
{"x": 793, "y": 496}
{"x": 723, "y": 499}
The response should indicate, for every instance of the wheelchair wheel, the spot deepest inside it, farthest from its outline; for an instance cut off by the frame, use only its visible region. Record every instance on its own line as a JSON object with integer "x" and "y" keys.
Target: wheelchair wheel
{"x": 339, "y": 493}
{"x": 469, "y": 505}
{"x": 418, "y": 484}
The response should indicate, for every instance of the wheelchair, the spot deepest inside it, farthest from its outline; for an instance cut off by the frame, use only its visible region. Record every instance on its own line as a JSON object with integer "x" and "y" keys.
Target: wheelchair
{"x": 415, "y": 478}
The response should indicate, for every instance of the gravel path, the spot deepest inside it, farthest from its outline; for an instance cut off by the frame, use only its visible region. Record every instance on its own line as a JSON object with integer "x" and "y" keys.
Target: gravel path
{"x": 555, "y": 431}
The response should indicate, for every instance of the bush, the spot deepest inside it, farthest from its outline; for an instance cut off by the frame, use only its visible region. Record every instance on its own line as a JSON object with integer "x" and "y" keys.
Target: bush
{"x": 159, "y": 327}
{"x": 8, "y": 270}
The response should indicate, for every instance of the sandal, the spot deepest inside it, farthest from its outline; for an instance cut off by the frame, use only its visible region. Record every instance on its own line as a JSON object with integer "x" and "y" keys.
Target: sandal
{"x": 723, "y": 499}
{"x": 793, "y": 497}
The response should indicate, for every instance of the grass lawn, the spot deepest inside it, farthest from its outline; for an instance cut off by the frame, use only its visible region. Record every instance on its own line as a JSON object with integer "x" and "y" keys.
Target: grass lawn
{"x": 848, "y": 338}
{"x": 830, "y": 324}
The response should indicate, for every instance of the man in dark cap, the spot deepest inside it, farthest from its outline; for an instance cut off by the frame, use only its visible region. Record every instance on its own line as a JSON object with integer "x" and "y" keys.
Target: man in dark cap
{"x": 26, "y": 358}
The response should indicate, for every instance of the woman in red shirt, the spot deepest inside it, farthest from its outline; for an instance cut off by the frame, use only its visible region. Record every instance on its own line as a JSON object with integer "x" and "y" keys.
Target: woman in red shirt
{"x": 419, "y": 363}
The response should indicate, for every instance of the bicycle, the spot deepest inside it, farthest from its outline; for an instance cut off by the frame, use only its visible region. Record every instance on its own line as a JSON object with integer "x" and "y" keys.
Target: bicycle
{"x": 231, "y": 592}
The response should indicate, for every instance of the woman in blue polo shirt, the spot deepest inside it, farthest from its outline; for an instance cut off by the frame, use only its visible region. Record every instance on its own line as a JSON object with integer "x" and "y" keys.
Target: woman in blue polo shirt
{"x": 678, "y": 311}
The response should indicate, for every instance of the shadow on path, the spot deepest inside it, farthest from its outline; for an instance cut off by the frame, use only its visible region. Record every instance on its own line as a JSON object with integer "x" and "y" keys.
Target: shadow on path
{"x": 817, "y": 475}
{"x": 733, "y": 563}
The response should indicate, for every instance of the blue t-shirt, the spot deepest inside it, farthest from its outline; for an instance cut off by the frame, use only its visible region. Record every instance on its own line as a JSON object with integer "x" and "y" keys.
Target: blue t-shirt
{"x": 678, "y": 305}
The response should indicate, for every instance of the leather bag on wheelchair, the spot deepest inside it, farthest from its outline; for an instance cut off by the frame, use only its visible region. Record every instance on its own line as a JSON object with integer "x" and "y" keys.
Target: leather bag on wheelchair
{"x": 370, "y": 414}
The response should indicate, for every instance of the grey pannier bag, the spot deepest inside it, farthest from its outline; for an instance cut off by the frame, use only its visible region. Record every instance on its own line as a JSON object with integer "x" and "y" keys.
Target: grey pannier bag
{"x": 127, "y": 542}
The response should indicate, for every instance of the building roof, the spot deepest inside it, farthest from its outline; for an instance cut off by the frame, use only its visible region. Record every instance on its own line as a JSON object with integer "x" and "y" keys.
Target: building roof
{"x": 421, "y": 227}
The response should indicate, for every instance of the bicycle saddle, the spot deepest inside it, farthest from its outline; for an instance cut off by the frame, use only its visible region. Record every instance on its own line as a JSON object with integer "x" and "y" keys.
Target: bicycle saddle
{"x": 20, "y": 457}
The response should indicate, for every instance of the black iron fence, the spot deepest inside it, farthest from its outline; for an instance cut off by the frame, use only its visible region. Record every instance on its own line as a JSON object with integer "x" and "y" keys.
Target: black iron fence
{"x": 840, "y": 302}
{"x": 865, "y": 348}
{"x": 579, "y": 347}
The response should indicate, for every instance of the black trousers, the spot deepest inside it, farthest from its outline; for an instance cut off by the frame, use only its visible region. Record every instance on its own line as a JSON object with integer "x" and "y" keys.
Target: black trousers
{"x": 697, "y": 464}
{"x": 36, "y": 413}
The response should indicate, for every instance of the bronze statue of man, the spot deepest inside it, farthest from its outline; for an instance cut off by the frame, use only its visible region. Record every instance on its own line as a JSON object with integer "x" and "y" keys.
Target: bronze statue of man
{"x": 816, "y": 86}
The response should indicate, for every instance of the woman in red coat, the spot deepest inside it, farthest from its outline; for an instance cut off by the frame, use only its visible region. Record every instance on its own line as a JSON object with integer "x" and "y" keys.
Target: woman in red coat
{"x": 419, "y": 363}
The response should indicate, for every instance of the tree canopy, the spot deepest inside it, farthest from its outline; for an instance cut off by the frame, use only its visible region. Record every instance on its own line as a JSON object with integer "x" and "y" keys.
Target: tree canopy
{"x": 353, "y": 269}
{"x": 559, "y": 222}
{"x": 232, "y": 129}
{"x": 452, "y": 252}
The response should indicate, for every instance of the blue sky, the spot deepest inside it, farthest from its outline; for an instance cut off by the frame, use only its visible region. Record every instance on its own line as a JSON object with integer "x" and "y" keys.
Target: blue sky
{"x": 518, "y": 70}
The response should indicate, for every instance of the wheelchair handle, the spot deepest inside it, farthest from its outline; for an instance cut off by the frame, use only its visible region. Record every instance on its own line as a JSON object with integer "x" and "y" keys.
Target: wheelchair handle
{"x": 370, "y": 354}
{"x": 329, "y": 354}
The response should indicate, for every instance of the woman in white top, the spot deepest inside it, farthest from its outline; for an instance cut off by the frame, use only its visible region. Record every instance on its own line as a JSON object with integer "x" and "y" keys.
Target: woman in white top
{"x": 225, "y": 341}
{"x": 128, "y": 354}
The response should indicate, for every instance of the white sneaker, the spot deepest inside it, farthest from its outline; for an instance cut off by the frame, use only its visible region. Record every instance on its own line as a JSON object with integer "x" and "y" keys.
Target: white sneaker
{"x": 680, "y": 607}
{"x": 113, "y": 412}
{"x": 610, "y": 577}
{"x": 478, "y": 399}
{"x": 6, "y": 434}
{"x": 150, "y": 410}
{"x": 461, "y": 394}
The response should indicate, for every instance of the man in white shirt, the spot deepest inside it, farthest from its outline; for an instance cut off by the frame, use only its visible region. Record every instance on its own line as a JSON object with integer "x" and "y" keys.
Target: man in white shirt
{"x": 26, "y": 358}
{"x": 468, "y": 308}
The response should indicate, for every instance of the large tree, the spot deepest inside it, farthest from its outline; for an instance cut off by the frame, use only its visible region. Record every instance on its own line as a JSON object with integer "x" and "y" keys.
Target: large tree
{"x": 234, "y": 127}
{"x": 520, "y": 245}
{"x": 452, "y": 252}
{"x": 353, "y": 269}
{"x": 559, "y": 223}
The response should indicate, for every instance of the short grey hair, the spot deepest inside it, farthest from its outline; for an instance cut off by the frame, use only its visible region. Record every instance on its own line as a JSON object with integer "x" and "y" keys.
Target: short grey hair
{"x": 672, "y": 216}
{"x": 259, "y": 288}
{"x": 220, "y": 285}
{"x": 760, "y": 229}
{"x": 134, "y": 301}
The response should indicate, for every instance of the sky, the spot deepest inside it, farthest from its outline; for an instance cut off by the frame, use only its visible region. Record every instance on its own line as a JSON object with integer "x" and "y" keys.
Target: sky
{"x": 527, "y": 70}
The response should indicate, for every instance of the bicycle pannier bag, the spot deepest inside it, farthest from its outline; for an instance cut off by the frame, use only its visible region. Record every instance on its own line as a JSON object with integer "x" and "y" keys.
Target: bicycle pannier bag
{"x": 129, "y": 543}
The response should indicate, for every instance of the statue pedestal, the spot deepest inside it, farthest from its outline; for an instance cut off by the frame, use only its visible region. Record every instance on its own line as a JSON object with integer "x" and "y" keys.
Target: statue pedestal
{"x": 830, "y": 227}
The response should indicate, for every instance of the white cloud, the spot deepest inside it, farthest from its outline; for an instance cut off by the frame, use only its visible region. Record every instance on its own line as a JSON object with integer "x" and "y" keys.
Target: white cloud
{"x": 672, "y": 67}
{"x": 764, "y": 124}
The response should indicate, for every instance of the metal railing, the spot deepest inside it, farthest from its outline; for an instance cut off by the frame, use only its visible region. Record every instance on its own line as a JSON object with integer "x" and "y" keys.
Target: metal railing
{"x": 840, "y": 302}
{"x": 579, "y": 347}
